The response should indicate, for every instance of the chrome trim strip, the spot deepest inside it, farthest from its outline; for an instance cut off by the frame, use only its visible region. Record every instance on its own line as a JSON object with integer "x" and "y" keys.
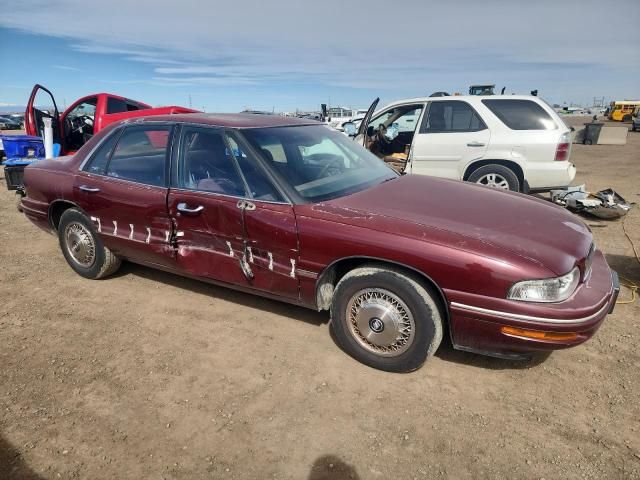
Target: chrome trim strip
{"x": 517, "y": 316}
{"x": 306, "y": 273}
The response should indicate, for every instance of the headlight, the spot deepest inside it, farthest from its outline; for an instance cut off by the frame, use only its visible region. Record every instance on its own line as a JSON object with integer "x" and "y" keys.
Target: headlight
{"x": 547, "y": 290}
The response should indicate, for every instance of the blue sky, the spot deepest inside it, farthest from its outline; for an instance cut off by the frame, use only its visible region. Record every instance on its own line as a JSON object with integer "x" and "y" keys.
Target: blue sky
{"x": 288, "y": 54}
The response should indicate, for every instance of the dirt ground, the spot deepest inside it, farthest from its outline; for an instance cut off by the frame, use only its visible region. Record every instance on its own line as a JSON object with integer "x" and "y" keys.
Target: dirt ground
{"x": 150, "y": 375}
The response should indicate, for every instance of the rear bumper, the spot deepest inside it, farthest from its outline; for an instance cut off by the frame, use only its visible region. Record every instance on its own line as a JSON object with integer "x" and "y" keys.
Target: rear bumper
{"x": 37, "y": 212}
{"x": 545, "y": 176}
{"x": 505, "y": 328}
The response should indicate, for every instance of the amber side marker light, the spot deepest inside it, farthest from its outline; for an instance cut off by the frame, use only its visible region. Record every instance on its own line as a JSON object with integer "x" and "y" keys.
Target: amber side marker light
{"x": 520, "y": 332}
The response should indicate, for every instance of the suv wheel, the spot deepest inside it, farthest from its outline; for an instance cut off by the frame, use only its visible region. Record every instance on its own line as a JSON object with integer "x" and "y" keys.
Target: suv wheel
{"x": 496, "y": 176}
{"x": 385, "y": 319}
{"x": 82, "y": 247}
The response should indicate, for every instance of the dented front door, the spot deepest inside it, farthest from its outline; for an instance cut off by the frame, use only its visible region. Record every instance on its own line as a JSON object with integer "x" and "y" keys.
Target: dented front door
{"x": 208, "y": 235}
{"x": 272, "y": 247}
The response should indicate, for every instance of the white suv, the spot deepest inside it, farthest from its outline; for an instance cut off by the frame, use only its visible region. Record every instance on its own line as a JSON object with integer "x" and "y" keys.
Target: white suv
{"x": 514, "y": 142}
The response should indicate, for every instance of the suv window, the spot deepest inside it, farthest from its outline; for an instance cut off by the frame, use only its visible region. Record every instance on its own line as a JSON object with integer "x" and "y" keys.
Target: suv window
{"x": 100, "y": 158}
{"x": 207, "y": 164}
{"x": 451, "y": 116}
{"x": 521, "y": 114}
{"x": 141, "y": 155}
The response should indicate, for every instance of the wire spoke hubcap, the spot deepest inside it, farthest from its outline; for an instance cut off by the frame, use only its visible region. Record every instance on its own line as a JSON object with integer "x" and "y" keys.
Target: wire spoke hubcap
{"x": 494, "y": 180}
{"x": 80, "y": 244}
{"x": 380, "y": 322}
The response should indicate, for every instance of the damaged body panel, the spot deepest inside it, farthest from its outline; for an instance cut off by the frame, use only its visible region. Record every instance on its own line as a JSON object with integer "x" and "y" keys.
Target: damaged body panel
{"x": 291, "y": 210}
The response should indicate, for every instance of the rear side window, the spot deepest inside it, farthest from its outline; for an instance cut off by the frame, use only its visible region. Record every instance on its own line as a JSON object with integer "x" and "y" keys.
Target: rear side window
{"x": 451, "y": 116}
{"x": 141, "y": 155}
{"x": 98, "y": 161}
{"x": 115, "y": 105}
{"x": 521, "y": 114}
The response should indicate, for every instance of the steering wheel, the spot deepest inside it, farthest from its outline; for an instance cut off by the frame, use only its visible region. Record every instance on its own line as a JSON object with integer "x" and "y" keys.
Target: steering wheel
{"x": 79, "y": 122}
{"x": 334, "y": 163}
{"x": 382, "y": 130}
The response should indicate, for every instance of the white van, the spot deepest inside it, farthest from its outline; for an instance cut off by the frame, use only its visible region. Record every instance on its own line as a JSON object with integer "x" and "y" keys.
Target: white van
{"x": 514, "y": 142}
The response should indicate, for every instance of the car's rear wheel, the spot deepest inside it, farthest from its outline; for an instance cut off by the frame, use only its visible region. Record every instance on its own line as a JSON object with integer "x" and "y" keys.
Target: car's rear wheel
{"x": 385, "y": 318}
{"x": 82, "y": 247}
{"x": 496, "y": 176}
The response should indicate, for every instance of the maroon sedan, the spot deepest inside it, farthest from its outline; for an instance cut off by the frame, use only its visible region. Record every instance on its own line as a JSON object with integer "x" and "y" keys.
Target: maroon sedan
{"x": 295, "y": 211}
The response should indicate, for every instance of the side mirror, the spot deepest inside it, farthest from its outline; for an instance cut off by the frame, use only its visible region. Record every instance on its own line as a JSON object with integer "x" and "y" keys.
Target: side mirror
{"x": 350, "y": 129}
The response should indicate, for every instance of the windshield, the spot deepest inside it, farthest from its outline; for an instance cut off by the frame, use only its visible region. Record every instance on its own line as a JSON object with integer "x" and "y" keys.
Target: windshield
{"x": 318, "y": 162}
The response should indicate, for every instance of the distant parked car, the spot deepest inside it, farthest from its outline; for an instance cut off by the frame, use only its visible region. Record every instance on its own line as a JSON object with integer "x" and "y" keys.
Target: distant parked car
{"x": 8, "y": 123}
{"x": 295, "y": 211}
{"x": 513, "y": 142}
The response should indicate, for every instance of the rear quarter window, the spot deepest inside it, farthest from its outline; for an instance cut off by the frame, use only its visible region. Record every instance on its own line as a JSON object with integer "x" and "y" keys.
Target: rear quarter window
{"x": 521, "y": 114}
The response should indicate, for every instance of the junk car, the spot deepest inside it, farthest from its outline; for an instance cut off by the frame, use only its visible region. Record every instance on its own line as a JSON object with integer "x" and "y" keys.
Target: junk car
{"x": 293, "y": 210}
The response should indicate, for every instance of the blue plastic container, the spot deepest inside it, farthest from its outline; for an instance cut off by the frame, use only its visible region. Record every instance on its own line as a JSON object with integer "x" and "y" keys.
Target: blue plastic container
{"x": 22, "y": 146}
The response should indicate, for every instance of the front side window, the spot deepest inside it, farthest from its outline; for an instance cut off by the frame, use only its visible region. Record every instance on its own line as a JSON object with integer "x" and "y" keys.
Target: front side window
{"x": 207, "y": 164}
{"x": 259, "y": 184}
{"x": 141, "y": 155}
{"x": 451, "y": 116}
{"x": 79, "y": 124}
{"x": 404, "y": 117}
{"x": 521, "y": 114}
{"x": 319, "y": 163}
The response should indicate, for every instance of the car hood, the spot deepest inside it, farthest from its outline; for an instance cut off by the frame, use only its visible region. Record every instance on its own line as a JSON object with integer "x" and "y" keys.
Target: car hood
{"x": 467, "y": 216}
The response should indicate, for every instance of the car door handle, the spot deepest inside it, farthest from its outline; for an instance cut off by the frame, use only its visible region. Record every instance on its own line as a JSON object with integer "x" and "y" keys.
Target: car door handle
{"x": 475, "y": 144}
{"x": 182, "y": 207}
{"x": 88, "y": 189}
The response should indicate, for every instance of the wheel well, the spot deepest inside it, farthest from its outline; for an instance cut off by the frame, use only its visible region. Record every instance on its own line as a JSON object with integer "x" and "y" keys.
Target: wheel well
{"x": 56, "y": 209}
{"x": 334, "y": 272}
{"x": 505, "y": 163}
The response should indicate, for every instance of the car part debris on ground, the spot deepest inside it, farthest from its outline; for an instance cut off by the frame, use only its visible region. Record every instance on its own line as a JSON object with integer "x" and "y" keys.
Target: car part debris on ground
{"x": 605, "y": 204}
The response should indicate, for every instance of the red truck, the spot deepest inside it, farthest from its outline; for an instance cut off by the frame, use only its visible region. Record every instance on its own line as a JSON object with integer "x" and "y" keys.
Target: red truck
{"x": 85, "y": 117}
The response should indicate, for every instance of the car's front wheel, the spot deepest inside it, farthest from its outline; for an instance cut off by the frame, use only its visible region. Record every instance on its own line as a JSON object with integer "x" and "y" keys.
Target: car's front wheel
{"x": 385, "y": 318}
{"x": 82, "y": 247}
{"x": 496, "y": 176}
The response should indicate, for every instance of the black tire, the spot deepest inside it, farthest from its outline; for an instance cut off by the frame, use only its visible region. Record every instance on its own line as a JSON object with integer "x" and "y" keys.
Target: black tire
{"x": 420, "y": 302}
{"x": 633, "y": 127}
{"x": 626, "y": 118}
{"x": 588, "y": 141}
{"x": 479, "y": 176}
{"x": 101, "y": 262}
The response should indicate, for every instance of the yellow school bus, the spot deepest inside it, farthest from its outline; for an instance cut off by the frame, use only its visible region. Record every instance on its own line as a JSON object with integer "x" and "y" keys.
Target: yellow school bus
{"x": 622, "y": 111}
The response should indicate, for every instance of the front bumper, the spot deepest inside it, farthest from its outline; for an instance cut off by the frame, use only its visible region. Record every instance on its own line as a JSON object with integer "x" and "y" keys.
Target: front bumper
{"x": 485, "y": 325}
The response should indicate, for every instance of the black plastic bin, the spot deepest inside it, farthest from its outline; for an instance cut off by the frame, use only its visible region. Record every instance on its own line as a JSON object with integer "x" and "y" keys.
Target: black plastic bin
{"x": 592, "y": 133}
{"x": 14, "y": 175}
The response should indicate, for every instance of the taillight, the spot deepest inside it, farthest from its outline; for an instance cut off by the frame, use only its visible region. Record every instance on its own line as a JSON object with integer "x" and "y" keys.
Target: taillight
{"x": 564, "y": 147}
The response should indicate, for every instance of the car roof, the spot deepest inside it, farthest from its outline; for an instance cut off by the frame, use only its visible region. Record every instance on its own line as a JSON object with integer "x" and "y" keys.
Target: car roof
{"x": 473, "y": 98}
{"x": 232, "y": 120}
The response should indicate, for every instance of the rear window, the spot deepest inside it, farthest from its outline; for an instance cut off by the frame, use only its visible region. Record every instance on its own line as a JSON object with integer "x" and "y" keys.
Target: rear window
{"x": 521, "y": 114}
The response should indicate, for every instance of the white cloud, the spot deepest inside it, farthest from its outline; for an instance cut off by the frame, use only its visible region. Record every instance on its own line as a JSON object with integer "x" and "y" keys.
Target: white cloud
{"x": 375, "y": 44}
{"x": 66, "y": 67}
